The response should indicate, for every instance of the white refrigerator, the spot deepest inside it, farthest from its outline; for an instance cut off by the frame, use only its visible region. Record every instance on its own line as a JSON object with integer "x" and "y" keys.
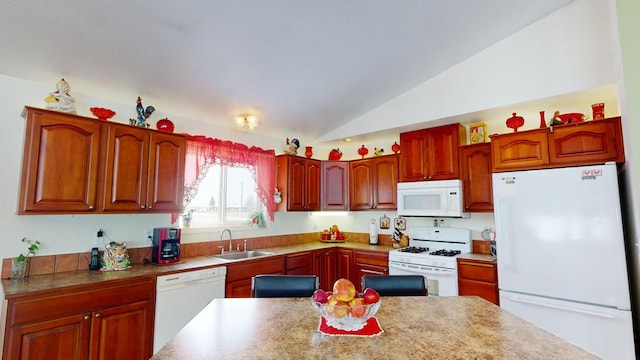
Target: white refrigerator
{"x": 561, "y": 255}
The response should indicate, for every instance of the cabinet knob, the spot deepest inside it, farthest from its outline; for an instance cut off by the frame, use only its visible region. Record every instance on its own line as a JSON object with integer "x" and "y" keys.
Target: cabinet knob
{"x": 97, "y": 315}
{"x": 141, "y": 206}
{"x": 150, "y": 206}
{"x": 86, "y": 317}
{"x": 90, "y": 206}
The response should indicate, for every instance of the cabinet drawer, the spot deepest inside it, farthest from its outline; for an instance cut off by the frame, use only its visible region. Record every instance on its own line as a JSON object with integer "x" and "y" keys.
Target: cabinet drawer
{"x": 78, "y": 301}
{"x": 378, "y": 258}
{"x": 247, "y": 269}
{"x": 299, "y": 262}
{"x": 479, "y": 271}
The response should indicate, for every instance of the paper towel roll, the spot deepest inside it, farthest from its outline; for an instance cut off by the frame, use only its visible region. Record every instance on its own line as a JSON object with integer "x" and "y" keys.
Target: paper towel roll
{"x": 373, "y": 232}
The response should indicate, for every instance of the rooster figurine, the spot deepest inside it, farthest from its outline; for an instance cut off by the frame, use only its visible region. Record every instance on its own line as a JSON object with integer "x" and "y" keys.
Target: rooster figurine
{"x": 143, "y": 114}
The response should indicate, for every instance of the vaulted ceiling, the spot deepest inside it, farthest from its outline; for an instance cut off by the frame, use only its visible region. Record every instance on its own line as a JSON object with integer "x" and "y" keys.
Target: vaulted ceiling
{"x": 306, "y": 66}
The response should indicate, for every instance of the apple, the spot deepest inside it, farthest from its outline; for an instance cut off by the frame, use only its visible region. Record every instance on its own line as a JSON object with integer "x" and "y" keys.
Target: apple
{"x": 344, "y": 290}
{"x": 358, "y": 307}
{"x": 370, "y": 296}
{"x": 320, "y": 296}
{"x": 336, "y": 307}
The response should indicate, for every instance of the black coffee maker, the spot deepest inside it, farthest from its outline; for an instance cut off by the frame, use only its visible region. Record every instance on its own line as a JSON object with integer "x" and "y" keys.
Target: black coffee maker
{"x": 165, "y": 245}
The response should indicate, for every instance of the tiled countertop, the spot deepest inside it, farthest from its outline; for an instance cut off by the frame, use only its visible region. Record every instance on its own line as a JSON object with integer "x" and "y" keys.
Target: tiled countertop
{"x": 48, "y": 282}
{"x": 465, "y": 327}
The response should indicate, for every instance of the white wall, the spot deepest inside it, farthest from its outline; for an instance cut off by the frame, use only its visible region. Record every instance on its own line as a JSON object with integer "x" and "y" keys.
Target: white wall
{"x": 563, "y": 52}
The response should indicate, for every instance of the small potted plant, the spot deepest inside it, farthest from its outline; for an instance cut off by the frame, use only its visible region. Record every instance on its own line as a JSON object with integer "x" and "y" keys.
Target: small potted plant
{"x": 19, "y": 263}
{"x": 186, "y": 217}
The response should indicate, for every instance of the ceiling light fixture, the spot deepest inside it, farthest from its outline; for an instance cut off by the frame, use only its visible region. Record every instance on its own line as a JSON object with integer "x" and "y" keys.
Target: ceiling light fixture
{"x": 246, "y": 121}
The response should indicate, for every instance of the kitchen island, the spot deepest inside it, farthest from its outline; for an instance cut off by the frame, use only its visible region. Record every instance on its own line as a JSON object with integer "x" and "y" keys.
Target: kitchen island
{"x": 465, "y": 327}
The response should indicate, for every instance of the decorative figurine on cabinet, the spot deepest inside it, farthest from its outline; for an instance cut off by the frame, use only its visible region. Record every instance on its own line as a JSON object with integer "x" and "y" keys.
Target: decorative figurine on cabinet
{"x": 60, "y": 99}
{"x": 292, "y": 146}
{"x": 378, "y": 152}
{"x": 143, "y": 114}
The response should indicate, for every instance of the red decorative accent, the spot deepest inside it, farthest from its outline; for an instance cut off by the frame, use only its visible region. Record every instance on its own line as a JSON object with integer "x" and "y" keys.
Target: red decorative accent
{"x": 372, "y": 328}
{"x": 102, "y": 113}
{"x": 308, "y": 152}
{"x": 363, "y": 151}
{"x": 165, "y": 125}
{"x": 395, "y": 147}
{"x": 598, "y": 111}
{"x": 543, "y": 122}
{"x": 335, "y": 154}
{"x": 202, "y": 152}
{"x": 515, "y": 122}
{"x": 571, "y": 118}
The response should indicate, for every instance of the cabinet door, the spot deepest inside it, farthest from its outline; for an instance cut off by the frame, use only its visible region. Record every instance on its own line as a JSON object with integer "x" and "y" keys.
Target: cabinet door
{"x": 300, "y": 263}
{"x": 335, "y": 185}
{"x": 60, "y": 163}
{"x": 385, "y": 182}
{"x": 127, "y": 159}
{"x": 324, "y": 266}
{"x": 238, "y": 289}
{"x": 479, "y": 278}
{"x": 361, "y": 185}
{"x": 166, "y": 172}
{"x": 475, "y": 172}
{"x": 442, "y": 151}
{"x": 312, "y": 185}
{"x": 361, "y": 270}
{"x": 520, "y": 151}
{"x": 413, "y": 156}
{"x": 345, "y": 265}
{"x": 587, "y": 143}
{"x": 62, "y": 338}
{"x": 123, "y": 332}
{"x": 296, "y": 184}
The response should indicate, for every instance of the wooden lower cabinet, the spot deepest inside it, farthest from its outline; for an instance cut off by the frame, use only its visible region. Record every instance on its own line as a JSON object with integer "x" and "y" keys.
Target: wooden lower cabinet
{"x": 345, "y": 265}
{"x": 324, "y": 265}
{"x": 238, "y": 282}
{"x": 369, "y": 263}
{"x": 478, "y": 277}
{"x": 113, "y": 322}
{"x": 300, "y": 263}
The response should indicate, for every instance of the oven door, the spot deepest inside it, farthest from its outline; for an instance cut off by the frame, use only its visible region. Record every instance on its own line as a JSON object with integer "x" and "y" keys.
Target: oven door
{"x": 440, "y": 281}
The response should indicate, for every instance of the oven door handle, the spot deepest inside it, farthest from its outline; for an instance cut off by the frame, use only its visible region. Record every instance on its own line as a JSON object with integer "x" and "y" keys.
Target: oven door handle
{"x": 421, "y": 269}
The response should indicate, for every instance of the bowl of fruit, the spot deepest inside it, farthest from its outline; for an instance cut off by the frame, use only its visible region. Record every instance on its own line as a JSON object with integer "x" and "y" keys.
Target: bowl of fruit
{"x": 344, "y": 309}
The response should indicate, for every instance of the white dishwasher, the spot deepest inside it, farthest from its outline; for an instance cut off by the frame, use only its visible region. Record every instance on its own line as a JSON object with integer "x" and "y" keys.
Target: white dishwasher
{"x": 180, "y": 297}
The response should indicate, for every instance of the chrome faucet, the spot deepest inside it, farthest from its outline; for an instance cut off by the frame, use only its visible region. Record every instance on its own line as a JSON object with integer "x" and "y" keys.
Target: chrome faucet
{"x": 230, "y": 238}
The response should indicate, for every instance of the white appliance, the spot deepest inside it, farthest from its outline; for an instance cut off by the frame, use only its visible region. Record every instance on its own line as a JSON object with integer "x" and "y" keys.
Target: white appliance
{"x": 442, "y": 198}
{"x": 561, "y": 255}
{"x": 180, "y": 297}
{"x": 432, "y": 253}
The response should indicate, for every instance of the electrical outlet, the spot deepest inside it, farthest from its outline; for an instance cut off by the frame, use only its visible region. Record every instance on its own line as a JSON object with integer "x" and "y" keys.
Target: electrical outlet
{"x": 148, "y": 234}
{"x": 99, "y": 237}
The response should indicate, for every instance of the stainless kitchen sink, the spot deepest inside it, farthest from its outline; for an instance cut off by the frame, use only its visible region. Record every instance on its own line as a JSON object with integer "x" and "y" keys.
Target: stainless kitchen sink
{"x": 237, "y": 255}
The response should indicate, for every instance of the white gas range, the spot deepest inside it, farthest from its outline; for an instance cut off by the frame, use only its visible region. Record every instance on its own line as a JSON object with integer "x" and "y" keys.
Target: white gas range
{"x": 432, "y": 252}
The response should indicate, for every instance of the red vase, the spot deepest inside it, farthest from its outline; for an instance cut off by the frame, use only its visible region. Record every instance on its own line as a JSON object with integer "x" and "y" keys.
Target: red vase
{"x": 363, "y": 151}
{"x": 308, "y": 152}
{"x": 543, "y": 122}
{"x": 395, "y": 147}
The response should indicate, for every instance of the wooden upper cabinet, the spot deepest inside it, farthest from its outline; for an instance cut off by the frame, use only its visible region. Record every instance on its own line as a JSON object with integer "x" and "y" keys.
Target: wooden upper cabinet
{"x": 475, "y": 172}
{"x": 373, "y": 183}
{"x": 113, "y": 167}
{"x": 298, "y": 179}
{"x": 520, "y": 151}
{"x": 431, "y": 154}
{"x": 442, "y": 151}
{"x": 60, "y": 163}
{"x": 335, "y": 185}
{"x": 165, "y": 187}
{"x": 585, "y": 143}
{"x": 413, "y": 156}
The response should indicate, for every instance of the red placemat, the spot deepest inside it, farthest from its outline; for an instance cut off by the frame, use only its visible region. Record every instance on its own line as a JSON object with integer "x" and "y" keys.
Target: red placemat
{"x": 372, "y": 328}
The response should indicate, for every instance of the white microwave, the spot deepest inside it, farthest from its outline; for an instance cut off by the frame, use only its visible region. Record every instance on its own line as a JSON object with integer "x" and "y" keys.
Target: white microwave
{"x": 441, "y": 198}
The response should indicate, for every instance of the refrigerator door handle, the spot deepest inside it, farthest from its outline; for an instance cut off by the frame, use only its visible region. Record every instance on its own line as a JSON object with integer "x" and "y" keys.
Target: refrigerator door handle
{"x": 559, "y": 307}
{"x": 502, "y": 232}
